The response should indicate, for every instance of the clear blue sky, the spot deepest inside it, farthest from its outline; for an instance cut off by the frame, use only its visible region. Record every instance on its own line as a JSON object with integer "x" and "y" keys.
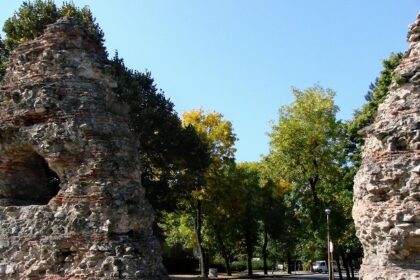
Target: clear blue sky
{"x": 241, "y": 58}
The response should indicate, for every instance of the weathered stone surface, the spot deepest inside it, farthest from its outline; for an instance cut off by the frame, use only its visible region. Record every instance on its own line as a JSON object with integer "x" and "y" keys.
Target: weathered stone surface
{"x": 72, "y": 205}
{"x": 387, "y": 187}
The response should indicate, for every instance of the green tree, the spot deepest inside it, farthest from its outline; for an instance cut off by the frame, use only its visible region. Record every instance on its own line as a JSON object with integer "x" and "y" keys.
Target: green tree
{"x": 271, "y": 212}
{"x": 307, "y": 150}
{"x": 218, "y": 134}
{"x": 31, "y": 19}
{"x": 286, "y": 230}
{"x": 170, "y": 152}
{"x": 178, "y": 229}
{"x": 305, "y": 145}
{"x": 243, "y": 209}
{"x": 223, "y": 210}
{"x": 249, "y": 181}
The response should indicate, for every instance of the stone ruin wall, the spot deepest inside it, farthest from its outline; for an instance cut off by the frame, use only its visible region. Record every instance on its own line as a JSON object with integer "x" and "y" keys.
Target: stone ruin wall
{"x": 387, "y": 187}
{"x": 71, "y": 201}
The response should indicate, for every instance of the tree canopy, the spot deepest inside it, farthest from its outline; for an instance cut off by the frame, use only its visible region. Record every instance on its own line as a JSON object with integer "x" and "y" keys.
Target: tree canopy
{"x": 32, "y": 17}
{"x": 217, "y": 132}
{"x": 305, "y": 143}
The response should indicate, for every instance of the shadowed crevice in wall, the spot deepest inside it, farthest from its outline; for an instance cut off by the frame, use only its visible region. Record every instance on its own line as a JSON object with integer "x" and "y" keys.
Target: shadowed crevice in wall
{"x": 25, "y": 178}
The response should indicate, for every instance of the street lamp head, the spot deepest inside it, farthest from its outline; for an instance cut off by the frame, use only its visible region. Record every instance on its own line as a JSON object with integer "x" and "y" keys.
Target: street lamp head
{"x": 327, "y": 211}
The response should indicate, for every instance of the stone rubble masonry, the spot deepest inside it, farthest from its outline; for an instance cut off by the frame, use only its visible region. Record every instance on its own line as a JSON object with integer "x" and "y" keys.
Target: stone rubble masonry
{"x": 387, "y": 187}
{"x": 71, "y": 201}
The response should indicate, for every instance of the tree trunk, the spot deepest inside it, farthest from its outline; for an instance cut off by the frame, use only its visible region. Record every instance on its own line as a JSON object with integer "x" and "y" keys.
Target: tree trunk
{"x": 312, "y": 183}
{"x": 350, "y": 260}
{"x": 228, "y": 269}
{"x": 224, "y": 252}
{"x": 339, "y": 266}
{"x": 264, "y": 250}
{"x": 249, "y": 253}
{"x": 315, "y": 213}
{"x": 197, "y": 231}
{"x": 227, "y": 264}
{"x": 346, "y": 265}
{"x": 289, "y": 263}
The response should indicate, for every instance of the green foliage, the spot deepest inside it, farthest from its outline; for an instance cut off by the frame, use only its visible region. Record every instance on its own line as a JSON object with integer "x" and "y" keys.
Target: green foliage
{"x": 216, "y": 132}
{"x": 248, "y": 177}
{"x": 308, "y": 157}
{"x": 32, "y": 18}
{"x": 271, "y": 208}
{"x": 173, "y": 156}
{"x": 206, "y": 178}
{"x": 305, "y": 144}
{"x": 239, "y": 265}
{"x": 377, "y": 93}
{"x": 301, "y": 141}
{"x": 257, "y": 264}
{"x": 178, "y": 229}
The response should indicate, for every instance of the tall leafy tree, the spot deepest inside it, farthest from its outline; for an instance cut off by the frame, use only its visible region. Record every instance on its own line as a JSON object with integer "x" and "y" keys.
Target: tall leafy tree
{"x": 223, "y": 209}
{"x": 218, "y": 134}
{"x": 305, "y": 145}
{"x": 282, "y": 228}
{"x": 271, "y": 212}
{"x": 249, "y": 180}
{"x": 307, "y": 150}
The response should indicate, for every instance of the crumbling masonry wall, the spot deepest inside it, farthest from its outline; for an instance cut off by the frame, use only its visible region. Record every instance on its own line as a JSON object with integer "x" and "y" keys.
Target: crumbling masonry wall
{"x": 71, "y": 201}
{"x": 387, "y": 187}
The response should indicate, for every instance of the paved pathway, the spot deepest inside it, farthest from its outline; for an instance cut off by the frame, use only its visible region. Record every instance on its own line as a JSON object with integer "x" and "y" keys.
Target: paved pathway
{"x": 306, "y": 277}
{"x": 260, "y": 276}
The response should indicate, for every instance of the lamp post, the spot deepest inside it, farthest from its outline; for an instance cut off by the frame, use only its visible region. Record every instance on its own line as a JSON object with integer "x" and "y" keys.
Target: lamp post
{"x": 330, "y": 268}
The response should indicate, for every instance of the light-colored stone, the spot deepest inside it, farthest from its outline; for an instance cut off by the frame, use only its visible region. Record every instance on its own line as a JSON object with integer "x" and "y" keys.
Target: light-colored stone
{"x": 10, "y": 269}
